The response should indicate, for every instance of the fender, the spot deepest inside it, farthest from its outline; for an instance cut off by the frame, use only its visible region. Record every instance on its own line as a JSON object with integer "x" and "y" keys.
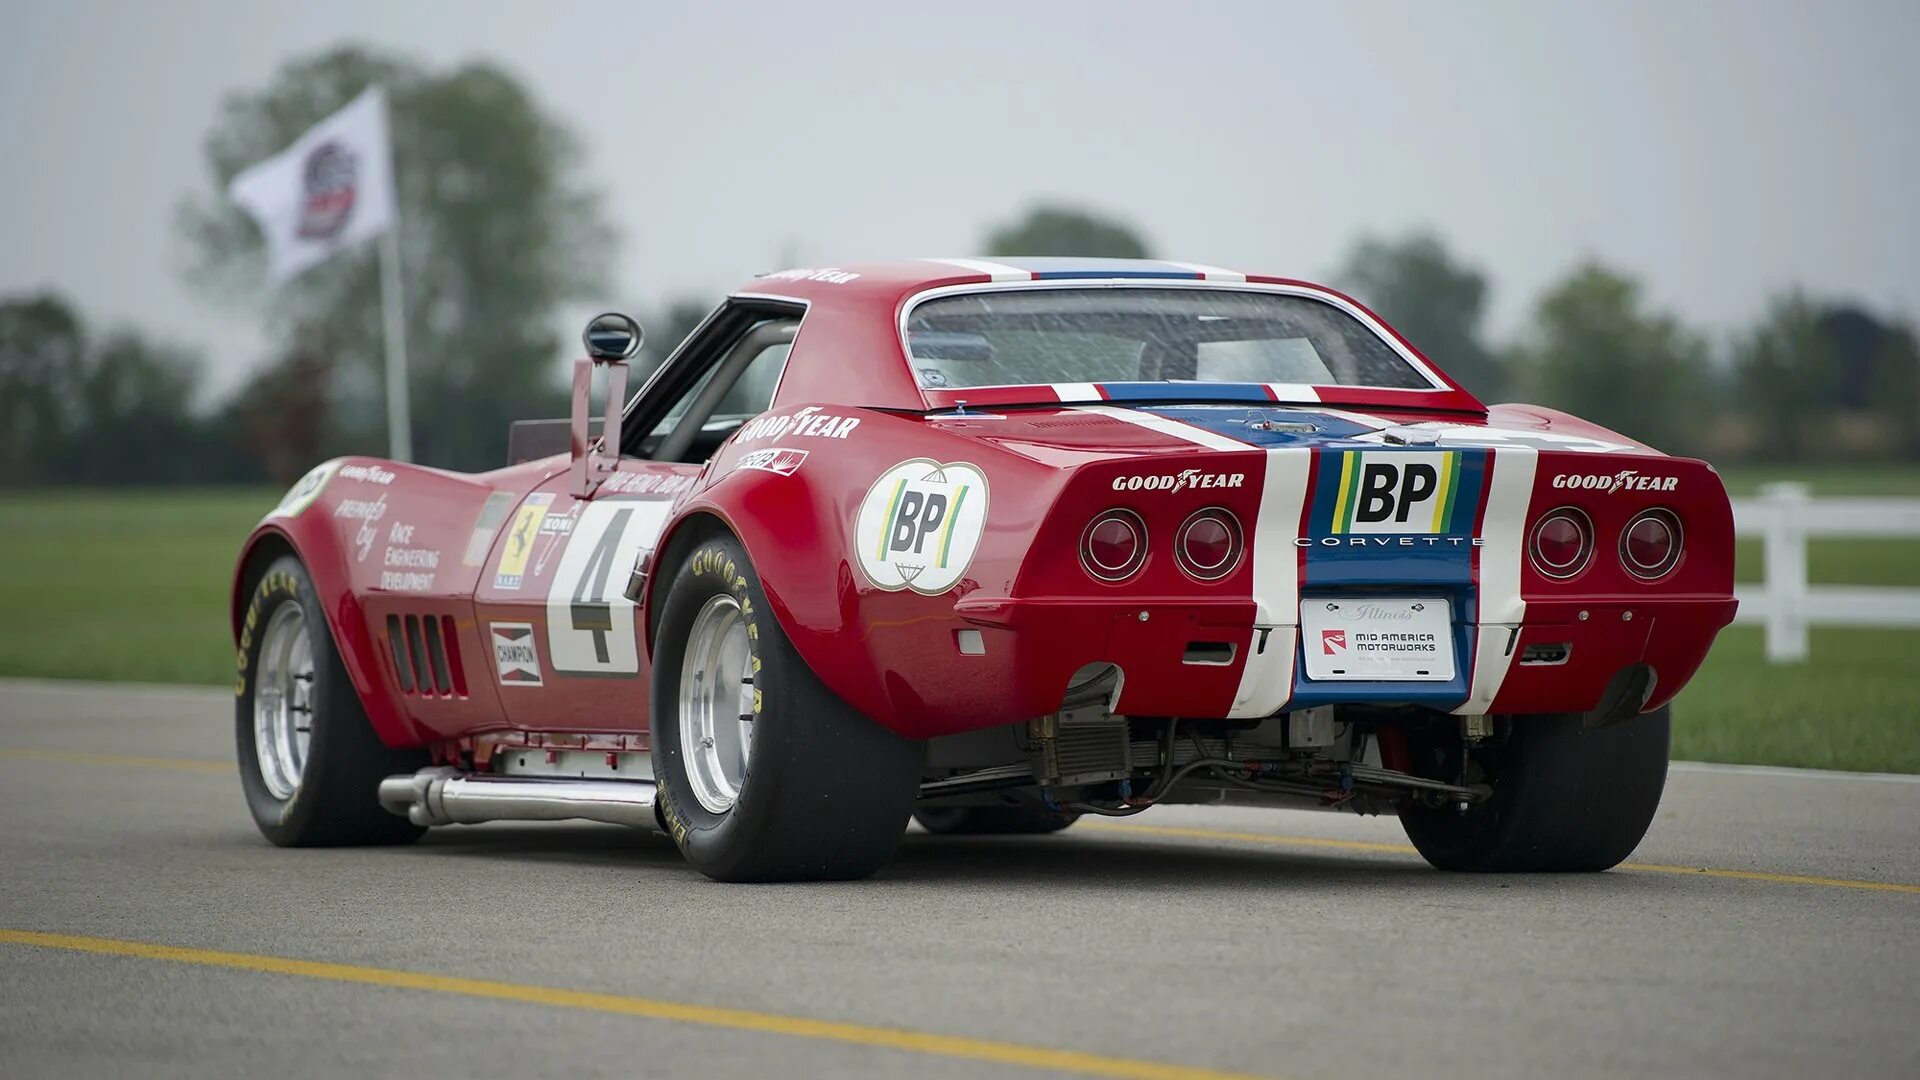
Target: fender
{"x": 318, "y": 548}
{"x": 342, "y": 520}
{"x": 872, "y": 646}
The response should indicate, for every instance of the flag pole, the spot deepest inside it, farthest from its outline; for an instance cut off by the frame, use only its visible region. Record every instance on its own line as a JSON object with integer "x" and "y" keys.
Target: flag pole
{"x": 393, "y": 310}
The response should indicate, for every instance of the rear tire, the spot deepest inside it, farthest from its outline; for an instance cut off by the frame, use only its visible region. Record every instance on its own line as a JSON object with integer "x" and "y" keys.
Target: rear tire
{"x": 993, "y": 820}
{"x": 811, "y": 790}
{"x": 323, "y": 791}
{"x": 1566, "y": 797}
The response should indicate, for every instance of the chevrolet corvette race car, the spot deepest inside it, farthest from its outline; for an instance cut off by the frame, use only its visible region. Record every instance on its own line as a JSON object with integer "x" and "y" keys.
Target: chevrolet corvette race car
{"x": 993, "y": 545}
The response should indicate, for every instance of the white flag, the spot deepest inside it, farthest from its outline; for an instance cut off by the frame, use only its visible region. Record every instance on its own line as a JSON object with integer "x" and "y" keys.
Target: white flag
{"x": 330, "y": 190}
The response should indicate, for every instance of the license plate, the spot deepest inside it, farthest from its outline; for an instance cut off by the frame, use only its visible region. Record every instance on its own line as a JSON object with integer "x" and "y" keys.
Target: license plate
{"x": 1408, "y": 639}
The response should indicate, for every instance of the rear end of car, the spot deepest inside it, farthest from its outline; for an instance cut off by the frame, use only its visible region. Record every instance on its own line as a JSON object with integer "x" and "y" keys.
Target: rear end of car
{"x": 1346, "y": 583}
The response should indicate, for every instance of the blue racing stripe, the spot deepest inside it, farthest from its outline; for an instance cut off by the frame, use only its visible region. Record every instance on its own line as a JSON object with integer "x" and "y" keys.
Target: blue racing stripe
{"x": 1252, "y": 425}
{"x": 1347, "y": 558}
{"x": 1250, "y": 393}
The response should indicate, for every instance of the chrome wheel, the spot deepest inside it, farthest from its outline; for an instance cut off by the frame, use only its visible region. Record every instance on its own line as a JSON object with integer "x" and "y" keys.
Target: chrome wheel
{"x": 716, "y": 704}
{"x": 283, "y": 700}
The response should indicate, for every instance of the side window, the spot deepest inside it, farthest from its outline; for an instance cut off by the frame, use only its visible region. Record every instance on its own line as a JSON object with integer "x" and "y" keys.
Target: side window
{"x": 734, "y": 388}
{"x": 753, "y": 393}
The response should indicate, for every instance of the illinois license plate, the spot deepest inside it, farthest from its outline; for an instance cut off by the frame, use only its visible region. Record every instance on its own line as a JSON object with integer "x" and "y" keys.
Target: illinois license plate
{"x": 1407, "y": 639}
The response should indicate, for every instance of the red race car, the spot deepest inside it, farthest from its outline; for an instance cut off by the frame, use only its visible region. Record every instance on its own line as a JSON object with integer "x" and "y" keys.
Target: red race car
{"x": 994, "y": 544}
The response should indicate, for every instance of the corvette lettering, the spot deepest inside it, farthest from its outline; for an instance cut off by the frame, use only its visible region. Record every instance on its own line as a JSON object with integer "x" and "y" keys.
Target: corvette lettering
{"x": 1388, "y": 541}
{"x": 1624, "y": 480}
{"x": 1183, "y": 480}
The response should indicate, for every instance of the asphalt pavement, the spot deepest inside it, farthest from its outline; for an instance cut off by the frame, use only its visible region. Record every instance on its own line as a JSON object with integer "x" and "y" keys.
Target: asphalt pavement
{"x": 1768, "y": 926}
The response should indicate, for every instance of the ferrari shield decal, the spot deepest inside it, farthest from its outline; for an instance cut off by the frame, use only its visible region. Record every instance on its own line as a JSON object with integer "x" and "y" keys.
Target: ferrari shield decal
{"x": 920, "y": 524}
{"x": 526, "y": 525}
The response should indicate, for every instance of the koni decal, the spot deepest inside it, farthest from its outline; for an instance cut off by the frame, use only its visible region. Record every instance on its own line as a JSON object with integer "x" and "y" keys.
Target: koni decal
{"x": 920, "y": 524}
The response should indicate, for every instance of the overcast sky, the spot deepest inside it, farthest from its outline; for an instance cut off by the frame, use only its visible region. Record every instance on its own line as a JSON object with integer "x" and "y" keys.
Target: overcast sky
{"x": 1718, "y": 150}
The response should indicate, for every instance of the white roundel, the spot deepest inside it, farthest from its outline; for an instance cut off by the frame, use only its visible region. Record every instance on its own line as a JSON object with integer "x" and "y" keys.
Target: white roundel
{"x": 920, "y": 524}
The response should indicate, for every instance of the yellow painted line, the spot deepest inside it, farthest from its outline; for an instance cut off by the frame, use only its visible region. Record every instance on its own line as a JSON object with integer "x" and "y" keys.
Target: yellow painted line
{"x": 884, "y": 1038}
{"x": 1778, "y": 879}
{"x": 75, "y": 757}
{"x": 1372, "y": 846}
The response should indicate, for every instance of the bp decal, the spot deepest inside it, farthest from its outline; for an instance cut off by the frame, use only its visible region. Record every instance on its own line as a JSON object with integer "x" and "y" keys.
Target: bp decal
{"x": 920, "y": 525}
{"x": 1399, "y": 492}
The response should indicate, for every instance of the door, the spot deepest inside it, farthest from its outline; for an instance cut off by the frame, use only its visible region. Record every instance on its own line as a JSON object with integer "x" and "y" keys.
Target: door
{"x": 567, "y": 645}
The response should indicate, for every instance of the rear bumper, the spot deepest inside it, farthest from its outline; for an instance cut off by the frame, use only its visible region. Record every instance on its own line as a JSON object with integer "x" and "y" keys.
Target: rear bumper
{"x": 1207, "y": 658}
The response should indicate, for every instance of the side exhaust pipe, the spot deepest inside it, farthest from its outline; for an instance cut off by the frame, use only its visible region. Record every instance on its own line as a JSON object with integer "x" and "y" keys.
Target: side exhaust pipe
{"x": 445, "y": 796}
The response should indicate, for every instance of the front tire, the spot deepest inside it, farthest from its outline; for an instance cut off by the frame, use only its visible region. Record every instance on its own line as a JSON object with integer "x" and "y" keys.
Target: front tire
{"x": 1566, "y": 797}
{"x": 310, "y": 763}
{"x": 764, "y": 774}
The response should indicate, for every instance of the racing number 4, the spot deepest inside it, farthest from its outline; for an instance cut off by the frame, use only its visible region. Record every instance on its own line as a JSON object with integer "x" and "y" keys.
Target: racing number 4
{"x": 590, "y": 621}
{"x": 590, "y": 611}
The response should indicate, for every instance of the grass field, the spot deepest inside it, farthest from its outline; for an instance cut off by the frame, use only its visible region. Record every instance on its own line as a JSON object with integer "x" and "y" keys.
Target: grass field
{"x": 131, "y": 585}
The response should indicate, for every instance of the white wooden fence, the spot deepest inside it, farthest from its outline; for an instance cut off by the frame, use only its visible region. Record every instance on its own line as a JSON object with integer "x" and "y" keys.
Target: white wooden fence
{"x": 1785, "y": 517}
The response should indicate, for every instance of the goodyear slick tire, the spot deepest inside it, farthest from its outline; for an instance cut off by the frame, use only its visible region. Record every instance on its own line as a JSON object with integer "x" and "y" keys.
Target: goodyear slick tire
{"x": 826, "y": 793}
{"x": 335, "y": 802}
{"x": 1566, "y": 796}
{"x": 992, "y": 820}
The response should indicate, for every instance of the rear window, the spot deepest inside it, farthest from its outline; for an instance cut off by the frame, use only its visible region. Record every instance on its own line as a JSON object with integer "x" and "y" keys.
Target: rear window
{"x": 1033, "y": 336}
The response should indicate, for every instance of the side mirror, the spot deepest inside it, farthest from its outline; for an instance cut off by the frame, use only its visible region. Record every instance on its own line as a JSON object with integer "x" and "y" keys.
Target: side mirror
{"x": 610, "y": 339}
{"x": 612, "y": 336}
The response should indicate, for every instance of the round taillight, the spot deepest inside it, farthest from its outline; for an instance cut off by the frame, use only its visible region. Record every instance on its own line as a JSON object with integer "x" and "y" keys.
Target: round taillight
{"x": 1562, "y": 543}
{"x": 1650, "y": 544}
{"x": 1114, "y": 545}
{"x": 1208, "y": 544}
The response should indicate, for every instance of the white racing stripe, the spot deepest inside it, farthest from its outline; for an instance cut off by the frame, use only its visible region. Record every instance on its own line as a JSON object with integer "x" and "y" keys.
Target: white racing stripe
{"x": 1077, "y": 391}
{"x": 1198, "y": 436}
{"x": 1266, "y": 680}
{"x": 1291, "y": 392}
{"x": 994, "y": 270}
{"x": 1211, "y": 273}
{"x": 1503, "y": 535}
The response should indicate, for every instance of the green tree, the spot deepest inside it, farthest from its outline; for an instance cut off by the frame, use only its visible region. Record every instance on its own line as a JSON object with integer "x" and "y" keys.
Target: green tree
{"x": 1435, "y": 301}
{"x": 496, "y": 234}
{"x": 1063, "y": 230}
{"x": 1783, "y": 369}
{"x": 122, "y": 411}
{"x": 1594, "y": 349}
{"x": 1822, "y": 379}
{"x": 42, "y": 356}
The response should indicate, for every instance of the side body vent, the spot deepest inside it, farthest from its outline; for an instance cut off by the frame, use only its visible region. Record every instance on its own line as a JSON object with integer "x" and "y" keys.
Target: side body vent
{"x": 426, "y": 655}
